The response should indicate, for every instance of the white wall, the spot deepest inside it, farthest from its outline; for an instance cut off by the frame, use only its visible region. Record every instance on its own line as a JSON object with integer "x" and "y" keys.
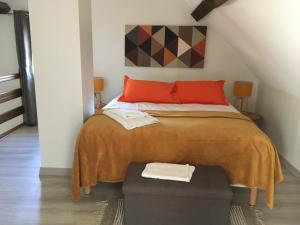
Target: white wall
{"x": 266, "y": 35}
{"x": 8, "y": 53}
{"x": 86, "y": 47}
{"x": 60, "y": 74}
{"x": 281, "y": 111}
{"x": 109, "y": 19}
{"x": 9, "y": 62}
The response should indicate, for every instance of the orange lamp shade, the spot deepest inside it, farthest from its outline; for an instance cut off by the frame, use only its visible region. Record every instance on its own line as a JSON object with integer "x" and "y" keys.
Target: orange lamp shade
{"x": 242, "y": 88}
{"x": 98, "y": 84}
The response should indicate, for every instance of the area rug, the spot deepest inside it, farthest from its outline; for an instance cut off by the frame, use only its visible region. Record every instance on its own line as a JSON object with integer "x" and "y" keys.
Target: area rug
{"x": 111, "y": 212}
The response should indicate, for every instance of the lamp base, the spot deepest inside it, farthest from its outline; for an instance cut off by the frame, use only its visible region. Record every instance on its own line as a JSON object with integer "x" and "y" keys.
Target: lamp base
{"x": 243, "y": 104}
{"x": 98, "y": 101}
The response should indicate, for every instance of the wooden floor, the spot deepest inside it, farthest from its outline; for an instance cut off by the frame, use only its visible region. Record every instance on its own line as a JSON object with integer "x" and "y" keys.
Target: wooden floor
{"x": 26, "y": 199}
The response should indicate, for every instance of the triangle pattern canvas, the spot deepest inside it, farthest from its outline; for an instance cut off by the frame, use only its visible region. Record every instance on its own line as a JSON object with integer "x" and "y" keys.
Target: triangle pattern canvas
{"x": 159, "y": 36}
{"x": 200, "y": 47}
{"x": 155, "y": 46}
{"x": 148, "y": 29}
{"x": 168, "y": 56}
{"x": 142, "y": 36}
{"x": 182, "y": 47}
{"x": 146, "y": 46}
{"x": 173, "y": 46}
{"x": 165, "y": 46}
{"x": 170, "y": 36}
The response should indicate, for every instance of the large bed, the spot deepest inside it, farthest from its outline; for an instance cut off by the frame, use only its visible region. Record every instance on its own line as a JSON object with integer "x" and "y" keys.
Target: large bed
{"x": 187, "y": 133}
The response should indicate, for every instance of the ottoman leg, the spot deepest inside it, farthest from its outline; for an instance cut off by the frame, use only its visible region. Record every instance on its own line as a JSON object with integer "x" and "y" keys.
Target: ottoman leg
{"x": 87, "y": 190}
{"x": 253, "y": 196}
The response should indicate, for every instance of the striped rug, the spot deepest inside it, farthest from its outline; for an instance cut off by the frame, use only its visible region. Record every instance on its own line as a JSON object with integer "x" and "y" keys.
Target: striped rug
{"x": 112, "y": 213}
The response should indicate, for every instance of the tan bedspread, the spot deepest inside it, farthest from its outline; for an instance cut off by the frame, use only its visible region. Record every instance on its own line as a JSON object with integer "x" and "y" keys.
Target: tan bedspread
{"x": 230, "y": 140}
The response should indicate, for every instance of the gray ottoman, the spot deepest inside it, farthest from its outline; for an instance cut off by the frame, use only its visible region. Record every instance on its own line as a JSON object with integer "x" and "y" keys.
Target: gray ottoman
{"x": 203, "y": 201}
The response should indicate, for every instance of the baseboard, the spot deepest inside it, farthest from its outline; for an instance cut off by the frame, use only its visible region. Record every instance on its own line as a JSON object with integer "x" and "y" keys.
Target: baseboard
{"x": 290, "y": 167}
{"x": 62, "y": 172}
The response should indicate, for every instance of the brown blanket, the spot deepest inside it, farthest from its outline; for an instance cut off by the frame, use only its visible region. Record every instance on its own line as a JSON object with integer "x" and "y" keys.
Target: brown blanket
{"x": 230, "y": 140}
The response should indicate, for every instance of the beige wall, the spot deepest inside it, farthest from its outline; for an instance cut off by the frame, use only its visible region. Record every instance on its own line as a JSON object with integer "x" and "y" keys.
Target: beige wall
{"x": 266, "y": 35}
{"x": 109, "y": 19}
{"x": 60, "y": 75}
{"x": 86, "y": 47}
{"x": 281, "y": 111}
{"x": 9, "y": 62}
{"x": 8, "y": 53}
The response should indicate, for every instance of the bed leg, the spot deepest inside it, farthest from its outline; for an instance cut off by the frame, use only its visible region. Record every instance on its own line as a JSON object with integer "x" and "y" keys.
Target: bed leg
{"x": 253, "y": 196}
{"x": 87, "y": 190}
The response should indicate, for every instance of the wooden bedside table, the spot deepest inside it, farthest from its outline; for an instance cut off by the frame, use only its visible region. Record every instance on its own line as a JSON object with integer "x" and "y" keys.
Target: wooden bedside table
{"x": 255, "y": 117}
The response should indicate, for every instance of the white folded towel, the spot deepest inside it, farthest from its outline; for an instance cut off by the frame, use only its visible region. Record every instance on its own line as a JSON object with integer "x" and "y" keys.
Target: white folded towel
{"x": 129, "y": 114}
{"x": 130, "y": 120}
{"x": 169, "y": 171}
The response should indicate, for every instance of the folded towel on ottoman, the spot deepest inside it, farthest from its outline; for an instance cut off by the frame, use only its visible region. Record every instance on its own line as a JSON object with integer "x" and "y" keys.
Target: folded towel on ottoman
{"x": 169, "y": 171}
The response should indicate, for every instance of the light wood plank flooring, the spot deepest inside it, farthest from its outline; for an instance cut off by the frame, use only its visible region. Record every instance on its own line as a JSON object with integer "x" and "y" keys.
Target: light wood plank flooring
{"x": 26, "y": 199}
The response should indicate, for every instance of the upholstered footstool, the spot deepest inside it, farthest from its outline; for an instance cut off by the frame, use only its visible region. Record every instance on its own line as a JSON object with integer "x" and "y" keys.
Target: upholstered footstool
{"x": 203, "y": 201}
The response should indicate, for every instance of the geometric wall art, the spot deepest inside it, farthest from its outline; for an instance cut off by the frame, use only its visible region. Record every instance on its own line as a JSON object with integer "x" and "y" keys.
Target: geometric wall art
{"x": 165, "y": 46}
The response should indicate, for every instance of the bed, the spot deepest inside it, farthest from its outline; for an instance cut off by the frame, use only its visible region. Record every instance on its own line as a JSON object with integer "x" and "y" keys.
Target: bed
{"x": 187, "y": 133}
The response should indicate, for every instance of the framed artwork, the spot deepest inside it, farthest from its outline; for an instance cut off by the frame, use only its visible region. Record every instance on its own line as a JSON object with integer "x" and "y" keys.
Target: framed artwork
{"x": 165, "y": 46}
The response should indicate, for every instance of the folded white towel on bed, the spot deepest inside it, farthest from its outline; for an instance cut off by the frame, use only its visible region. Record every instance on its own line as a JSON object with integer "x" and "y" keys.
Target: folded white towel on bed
{"x": 169, "y": 171}
{"x": 129, "y": 114}
{"x": 130, "y": 120}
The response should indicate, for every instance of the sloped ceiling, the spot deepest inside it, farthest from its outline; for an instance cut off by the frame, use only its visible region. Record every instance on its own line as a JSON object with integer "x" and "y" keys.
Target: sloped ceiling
{"x": 267, "y": 35}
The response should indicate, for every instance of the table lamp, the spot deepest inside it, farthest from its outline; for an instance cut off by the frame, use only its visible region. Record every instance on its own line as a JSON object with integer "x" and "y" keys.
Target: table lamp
{"x": 98, "y": 88}
{"x": 242, "y": 90}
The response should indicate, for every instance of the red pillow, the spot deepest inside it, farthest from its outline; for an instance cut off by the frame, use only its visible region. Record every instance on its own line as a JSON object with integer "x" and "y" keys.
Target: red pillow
{"x": 147, "y": 91}
{"x": 203, "y": 92}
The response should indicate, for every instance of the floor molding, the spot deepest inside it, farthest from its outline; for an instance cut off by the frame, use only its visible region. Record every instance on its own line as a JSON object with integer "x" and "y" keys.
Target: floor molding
{"x": 49, "y": 171}
{"x": 293, "y": 170}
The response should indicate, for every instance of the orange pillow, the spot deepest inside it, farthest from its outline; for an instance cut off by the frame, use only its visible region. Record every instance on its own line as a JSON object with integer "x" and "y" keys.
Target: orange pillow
{"x": 203, "y": 92}
{"x": 147, "y": 91}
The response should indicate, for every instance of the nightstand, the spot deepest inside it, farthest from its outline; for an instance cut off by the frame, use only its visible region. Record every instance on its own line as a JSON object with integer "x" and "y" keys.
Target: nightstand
{"x": 255, "y": 117}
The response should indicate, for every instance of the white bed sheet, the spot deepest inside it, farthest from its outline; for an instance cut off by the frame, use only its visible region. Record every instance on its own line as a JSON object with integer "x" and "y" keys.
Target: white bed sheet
{"x": 115, "y": 104}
